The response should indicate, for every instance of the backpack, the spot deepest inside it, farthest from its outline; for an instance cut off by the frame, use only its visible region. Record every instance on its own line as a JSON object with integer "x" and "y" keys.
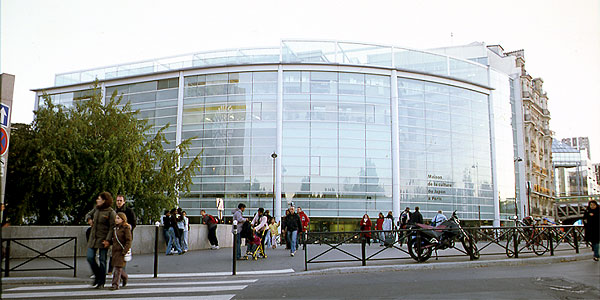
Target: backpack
{"x": 213, "y": 219}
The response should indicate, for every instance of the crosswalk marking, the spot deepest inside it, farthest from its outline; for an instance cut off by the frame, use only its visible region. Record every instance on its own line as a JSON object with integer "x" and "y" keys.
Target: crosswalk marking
{"x": 125, "y": 291}
{"x": 130, "y": 284}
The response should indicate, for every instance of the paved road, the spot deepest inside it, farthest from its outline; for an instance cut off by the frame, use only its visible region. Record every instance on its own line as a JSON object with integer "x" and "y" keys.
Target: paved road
{"x": 569, "y": 280}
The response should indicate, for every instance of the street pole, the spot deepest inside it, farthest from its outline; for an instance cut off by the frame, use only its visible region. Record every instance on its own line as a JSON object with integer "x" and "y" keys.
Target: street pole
{"x": 274, "y": 156}
{"x": 516, "y": 160}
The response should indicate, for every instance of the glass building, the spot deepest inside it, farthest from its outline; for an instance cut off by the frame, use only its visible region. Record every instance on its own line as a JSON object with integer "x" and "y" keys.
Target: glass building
{"x": 357, "y": 128}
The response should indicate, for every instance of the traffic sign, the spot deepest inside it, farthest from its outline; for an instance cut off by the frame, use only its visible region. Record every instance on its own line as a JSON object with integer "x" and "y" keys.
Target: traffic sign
{"x": 3, "y": 141}
{"x": 4, "y": 115}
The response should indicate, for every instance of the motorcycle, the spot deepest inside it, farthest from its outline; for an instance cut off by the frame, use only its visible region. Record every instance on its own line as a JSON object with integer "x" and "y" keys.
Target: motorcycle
{"x": 425, "y": 239}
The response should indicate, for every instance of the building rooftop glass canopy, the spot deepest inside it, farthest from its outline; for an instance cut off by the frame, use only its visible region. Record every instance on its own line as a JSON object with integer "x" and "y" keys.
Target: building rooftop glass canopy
{"x": 296, "y": 52}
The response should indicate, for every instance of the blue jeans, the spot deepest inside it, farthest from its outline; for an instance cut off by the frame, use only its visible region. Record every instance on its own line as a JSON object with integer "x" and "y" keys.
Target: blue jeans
{"x": 99, "y": 270}
{"x": 172, "y": 242}
{"x": 595, "y": 247}
{"x": 268, "y": 238}
{"x": 293, "y": 238}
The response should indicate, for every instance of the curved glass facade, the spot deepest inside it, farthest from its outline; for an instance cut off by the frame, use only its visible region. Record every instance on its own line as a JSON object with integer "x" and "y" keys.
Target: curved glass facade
{"x": 338, "y": 115}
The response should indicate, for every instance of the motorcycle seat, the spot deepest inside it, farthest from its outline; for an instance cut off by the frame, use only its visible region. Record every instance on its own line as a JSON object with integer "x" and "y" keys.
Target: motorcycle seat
{"x": 425, "y": 226}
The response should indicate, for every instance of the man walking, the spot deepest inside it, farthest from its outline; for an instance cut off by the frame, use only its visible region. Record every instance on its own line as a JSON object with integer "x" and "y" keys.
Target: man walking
{"x": 438, "y": 219}
{"x": 416, "y": 217}
{"x": 237, "y": 216}
{"x": 292, "y": 225}
{"x": 304, "y": 220}
{"x": 211, "y": 223}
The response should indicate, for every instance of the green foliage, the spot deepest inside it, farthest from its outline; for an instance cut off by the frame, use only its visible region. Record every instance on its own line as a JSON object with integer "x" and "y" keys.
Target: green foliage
{"x": 67, "y": 156}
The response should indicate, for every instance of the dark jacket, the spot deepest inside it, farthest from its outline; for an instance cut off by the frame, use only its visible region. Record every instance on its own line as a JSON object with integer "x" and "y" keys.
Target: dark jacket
{"x": 292, "y": 222}
{"x": 102, "y": 228}
{"x": 591, "y": 224}
{"x": 118, "y": 252}
{"x": 416, "y": 218}
{"x": 129, "y": 214}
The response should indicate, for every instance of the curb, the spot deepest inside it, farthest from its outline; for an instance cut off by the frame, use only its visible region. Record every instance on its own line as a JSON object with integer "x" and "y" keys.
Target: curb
{"x": 449, "y": 265}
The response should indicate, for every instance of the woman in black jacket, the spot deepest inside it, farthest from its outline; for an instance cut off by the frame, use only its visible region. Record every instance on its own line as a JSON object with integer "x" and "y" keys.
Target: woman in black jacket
{"x": 591, "y": 223}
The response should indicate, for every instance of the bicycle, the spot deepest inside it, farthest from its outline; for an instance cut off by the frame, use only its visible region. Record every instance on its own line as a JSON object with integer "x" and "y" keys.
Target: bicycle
{"x": 532, "y": 234}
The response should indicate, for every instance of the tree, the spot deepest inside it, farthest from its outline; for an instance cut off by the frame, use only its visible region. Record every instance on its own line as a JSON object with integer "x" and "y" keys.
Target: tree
{"x": 61, "y": 162}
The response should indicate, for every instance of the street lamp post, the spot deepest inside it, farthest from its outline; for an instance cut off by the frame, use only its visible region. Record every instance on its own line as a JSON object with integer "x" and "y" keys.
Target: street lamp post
{"x": 274, "y": 156}
{"x": 516, "y": 160}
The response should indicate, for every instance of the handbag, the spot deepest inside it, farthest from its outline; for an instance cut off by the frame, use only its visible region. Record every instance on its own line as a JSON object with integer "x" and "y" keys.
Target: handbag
{"x": 128, "y": 255}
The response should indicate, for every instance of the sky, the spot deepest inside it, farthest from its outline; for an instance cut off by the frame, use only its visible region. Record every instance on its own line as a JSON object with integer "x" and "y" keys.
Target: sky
{"x": 561, "y": 39}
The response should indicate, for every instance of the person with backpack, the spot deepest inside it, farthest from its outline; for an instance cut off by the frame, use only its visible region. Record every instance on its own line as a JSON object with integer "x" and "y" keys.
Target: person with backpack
{"x": 438, "y": 219}
{"x": 416, "y": 217}
{"x": 211, "y": 222}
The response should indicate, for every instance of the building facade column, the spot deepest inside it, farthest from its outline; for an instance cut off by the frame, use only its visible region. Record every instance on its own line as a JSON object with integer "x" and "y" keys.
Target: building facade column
{"x": 395, "y": 147}
{"x": 279, "y": 143}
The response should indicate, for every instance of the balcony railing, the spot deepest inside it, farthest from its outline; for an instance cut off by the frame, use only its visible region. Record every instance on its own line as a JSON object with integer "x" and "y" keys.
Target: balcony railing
{"x": 300, "y": 52}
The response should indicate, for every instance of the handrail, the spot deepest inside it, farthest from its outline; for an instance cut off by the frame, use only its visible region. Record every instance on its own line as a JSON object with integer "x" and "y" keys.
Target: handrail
{"x": 40, "y": 254}
{"x": 509, "y": 240}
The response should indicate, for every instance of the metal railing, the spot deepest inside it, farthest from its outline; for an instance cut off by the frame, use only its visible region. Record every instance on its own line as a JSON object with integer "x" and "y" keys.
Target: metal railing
{"x": 40, "y": 254}
{"x": 479, "y": 241}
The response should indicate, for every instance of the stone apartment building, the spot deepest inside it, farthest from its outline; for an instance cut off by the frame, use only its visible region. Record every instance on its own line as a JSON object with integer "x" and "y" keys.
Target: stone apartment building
{"x": 537, "y": 141}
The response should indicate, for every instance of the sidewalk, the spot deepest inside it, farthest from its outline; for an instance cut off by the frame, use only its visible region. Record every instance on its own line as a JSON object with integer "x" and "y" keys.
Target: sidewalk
{"x": 206, "y": 263}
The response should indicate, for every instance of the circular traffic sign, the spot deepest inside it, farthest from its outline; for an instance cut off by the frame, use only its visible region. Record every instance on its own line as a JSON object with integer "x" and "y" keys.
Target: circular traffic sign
{"x": 3, "y": 141}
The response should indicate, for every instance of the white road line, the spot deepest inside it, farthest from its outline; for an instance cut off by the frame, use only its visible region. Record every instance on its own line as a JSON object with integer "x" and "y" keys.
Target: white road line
{"x": 130, "y": 284}
{"x": 177, "y": 275}
{"x": 125, "y": 291}
{"x": 211, "y": 297}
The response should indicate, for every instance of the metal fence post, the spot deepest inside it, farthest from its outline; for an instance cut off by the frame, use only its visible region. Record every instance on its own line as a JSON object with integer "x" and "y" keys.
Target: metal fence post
{"x": 156, "y": 229}
{"x": 363, "y": 250}
{"x": 235, "y": 245}
{"x": 551, "y": 237}
{"x": 575, "y": 241}
{"x": 471, "y": 251}
{"x": 7, "y": 259}
{"x": 75, "y": 259}
{"x": 305, "y": 253}
{"x": 516, "y": 242}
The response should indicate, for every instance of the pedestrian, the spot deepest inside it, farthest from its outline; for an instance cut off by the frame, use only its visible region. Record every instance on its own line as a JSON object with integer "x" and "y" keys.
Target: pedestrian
{"x": 121, "y": 206}
{"x": 268, "y": 231}
{"x": 102, "y": 220}
{"x": 379, "y": 227}
{"x": 403, "y": 223}
{"x": 180, "y": 227}
{"x": 237, "y": 216}
{"x": 211, "y": 223}
{"x": 164, "y": 222}
{"x": 121, "y": 244}
{"x": 591, "y": 224}
{"x": 292, "y": 225}
{"x": 172, "y": 240}
{"x": 185, "y": 227}
{"x": 388, "y": 228}
{"x": 365, "y": 227}
{"x": 438, "y": 219}
{"x": 305, "y": 220}
{"x": 404, "y": 218}
{"x": 274, "y": 229}
{"x": 416, "y": 217}
{"x": 284, "y": 231}
{"x": 260, "y": 225}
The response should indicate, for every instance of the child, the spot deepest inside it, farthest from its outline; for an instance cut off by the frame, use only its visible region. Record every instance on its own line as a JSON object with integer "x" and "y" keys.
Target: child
{"x": 274, "y": 229}
{"x": 121, "y": 243}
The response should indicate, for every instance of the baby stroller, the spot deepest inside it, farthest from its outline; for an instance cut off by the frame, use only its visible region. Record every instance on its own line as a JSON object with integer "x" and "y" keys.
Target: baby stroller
{"x": 254, "y": 241}
{"x": 256, "y": 248}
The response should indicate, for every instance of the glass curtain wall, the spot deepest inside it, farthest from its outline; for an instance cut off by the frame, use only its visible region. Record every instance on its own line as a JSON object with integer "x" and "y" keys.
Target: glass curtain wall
{"x": 505, "y": 149}
{"x": 336, "y": 143}
{"x": 231, "y": 118}
{"x": 444, "y": 149}
{"x": 156, "y": 102}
